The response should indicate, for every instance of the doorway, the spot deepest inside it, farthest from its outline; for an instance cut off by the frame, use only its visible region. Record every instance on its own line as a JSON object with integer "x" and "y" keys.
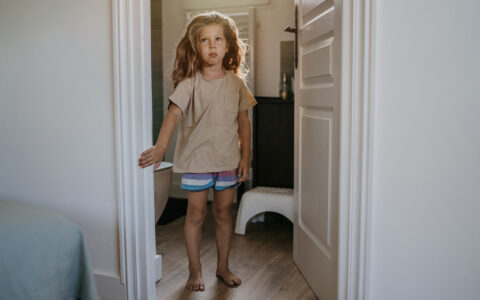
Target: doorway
{"x": 136, "y": 186}
{"x": 275, "y": 62}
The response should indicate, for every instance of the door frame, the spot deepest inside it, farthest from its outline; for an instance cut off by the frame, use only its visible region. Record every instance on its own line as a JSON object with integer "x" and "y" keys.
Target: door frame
{"x": 356, "y": 147}
{"x": 133, "y": 134}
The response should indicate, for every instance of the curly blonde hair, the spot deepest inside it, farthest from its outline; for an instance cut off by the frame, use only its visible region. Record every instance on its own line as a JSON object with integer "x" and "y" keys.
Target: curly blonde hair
{"x": 187, "y": 60}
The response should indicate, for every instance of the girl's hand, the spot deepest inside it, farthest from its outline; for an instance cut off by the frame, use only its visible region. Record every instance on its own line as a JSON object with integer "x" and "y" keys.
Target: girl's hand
{"x": 243, "y": 167}
{"x": 151, "y": 156}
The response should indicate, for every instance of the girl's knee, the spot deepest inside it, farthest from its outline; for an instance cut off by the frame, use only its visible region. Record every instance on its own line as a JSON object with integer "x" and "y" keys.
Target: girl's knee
{"x": 196, "y": 215}
{"x": 222, "y": 214}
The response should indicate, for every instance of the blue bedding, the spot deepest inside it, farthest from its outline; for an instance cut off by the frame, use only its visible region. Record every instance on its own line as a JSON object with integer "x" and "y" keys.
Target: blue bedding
{"x": 42, "y": 255}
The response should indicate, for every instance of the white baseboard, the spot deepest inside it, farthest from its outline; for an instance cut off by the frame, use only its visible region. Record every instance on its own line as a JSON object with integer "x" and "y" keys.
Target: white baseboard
{"x": 109, "y": 287}
{"x": 158, "y": 267}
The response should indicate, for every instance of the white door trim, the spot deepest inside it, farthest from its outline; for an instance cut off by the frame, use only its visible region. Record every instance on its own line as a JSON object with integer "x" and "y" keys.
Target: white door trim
{"x": 133, "y": 134}
{"x": 358, "y": 33}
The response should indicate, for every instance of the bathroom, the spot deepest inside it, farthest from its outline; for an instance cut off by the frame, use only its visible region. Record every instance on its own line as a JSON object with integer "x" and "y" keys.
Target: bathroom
{"x": 270, "y": 59}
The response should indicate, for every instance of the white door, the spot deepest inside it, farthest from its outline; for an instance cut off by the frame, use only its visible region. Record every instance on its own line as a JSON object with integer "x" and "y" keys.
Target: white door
{"x": 317, "y": 103}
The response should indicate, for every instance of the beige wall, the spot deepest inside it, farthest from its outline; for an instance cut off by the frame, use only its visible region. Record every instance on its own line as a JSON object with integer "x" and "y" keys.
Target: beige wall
{"x": 271, "y": 20}
{"x": 195, "y": 4}
{"x": 56, "y": 116}
{"x": 173, "y": 22}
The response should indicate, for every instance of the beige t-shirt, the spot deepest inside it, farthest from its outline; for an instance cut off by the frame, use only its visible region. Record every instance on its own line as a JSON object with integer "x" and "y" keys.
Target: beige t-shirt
{"x": 207, "y": 139}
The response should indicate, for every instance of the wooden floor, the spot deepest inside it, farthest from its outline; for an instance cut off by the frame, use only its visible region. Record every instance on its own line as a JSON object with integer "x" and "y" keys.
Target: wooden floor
{"x": 262, "y": 259}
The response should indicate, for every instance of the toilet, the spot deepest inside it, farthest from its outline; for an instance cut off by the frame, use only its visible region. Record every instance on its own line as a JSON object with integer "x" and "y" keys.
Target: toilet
{"x": 162, "y": 180}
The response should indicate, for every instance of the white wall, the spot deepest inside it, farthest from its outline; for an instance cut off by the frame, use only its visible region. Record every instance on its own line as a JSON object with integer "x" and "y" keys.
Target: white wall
{"x": 271, "y": 19}
{"x": 425, "y": 223}
{"x": 56, "y": 116}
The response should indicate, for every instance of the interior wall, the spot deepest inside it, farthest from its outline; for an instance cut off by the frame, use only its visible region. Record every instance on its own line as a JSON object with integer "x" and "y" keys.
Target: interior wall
{"x": 173, "y": 18}
{"x": 271, "y": 19}
{"x": 56, "y": 116}
{"x": 425, "y": 238}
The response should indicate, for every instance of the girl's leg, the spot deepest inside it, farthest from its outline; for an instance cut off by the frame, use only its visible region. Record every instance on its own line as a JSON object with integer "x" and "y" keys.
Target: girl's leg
{"x": 222, "y": 205}
{"x": 196, "y": 211}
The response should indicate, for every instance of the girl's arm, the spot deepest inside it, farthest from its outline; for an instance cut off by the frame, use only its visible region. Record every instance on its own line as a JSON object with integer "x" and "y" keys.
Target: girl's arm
{"x": 244, "y": 133}
{"x": 155, "y": 154}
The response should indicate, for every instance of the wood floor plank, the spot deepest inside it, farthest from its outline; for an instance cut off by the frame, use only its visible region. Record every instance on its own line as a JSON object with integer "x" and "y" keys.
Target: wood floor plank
{"x": 262, "y": 259}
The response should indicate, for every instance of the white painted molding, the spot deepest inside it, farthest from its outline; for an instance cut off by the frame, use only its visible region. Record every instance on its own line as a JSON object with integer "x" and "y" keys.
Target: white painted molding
{"x": 109, "y": 287}
{"x": 133, "y": 134}
{"x": 356, "y": 151}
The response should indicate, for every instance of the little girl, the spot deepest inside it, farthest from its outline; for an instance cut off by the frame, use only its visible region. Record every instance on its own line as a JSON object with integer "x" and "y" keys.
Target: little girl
{"x": 211, "y": 101}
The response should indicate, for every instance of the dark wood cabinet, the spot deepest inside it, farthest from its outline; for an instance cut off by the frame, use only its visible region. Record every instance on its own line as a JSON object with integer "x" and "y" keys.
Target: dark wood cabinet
{"x": 273, "y": 142}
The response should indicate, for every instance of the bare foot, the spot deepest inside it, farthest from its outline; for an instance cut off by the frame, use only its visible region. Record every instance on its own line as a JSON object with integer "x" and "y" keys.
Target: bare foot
{"x": 195, "y": 282}
{"x": 229, "y": 278}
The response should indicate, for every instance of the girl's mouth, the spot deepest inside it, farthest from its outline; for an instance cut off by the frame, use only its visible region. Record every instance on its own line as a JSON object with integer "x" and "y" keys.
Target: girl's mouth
{"x": 213, "y": 55}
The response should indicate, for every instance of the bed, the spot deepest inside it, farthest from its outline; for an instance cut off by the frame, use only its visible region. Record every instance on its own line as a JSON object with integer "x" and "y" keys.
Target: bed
{"x": 42, "y": 255}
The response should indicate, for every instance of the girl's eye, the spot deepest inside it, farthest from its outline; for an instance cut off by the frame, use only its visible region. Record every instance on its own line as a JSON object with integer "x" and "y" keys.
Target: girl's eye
{"x": 219, "y": 38}
{"x": 204, "y": 40}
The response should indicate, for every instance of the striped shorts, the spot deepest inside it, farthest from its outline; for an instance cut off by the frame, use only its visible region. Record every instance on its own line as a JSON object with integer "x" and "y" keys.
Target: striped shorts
{"x": 203, "y": 181}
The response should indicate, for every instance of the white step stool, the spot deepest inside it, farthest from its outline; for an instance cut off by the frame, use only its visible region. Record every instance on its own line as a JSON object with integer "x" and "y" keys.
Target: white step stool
{"x": 262, "y": 199}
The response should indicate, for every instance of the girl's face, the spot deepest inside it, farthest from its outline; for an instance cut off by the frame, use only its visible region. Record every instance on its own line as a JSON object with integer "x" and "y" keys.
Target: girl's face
{"x": 212, "y": 45}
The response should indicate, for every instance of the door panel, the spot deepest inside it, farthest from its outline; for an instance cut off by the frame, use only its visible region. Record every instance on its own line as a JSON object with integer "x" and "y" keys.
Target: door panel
{"x": 316, "y": 176}
{"x": 316, "y": 65}
{"x": 317, "y": 102}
